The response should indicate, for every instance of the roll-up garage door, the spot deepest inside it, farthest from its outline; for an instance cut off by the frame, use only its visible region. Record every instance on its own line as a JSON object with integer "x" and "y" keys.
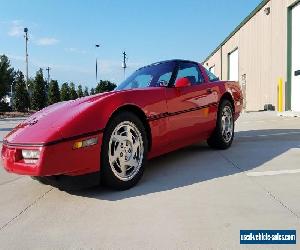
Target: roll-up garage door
{"x": 233, "y": 64}
{"x": 296, "y": 58}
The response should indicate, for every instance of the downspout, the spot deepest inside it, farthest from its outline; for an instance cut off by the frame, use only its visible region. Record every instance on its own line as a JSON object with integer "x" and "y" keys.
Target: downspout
{"x": 221, "y": 62}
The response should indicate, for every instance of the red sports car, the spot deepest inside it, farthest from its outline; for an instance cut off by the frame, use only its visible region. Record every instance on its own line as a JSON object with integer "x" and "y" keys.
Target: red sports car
{"x": 158, "y": 109}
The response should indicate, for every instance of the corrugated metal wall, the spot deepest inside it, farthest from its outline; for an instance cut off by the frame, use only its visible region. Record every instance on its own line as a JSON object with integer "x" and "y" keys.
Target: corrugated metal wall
{"x": 262, "y": 44}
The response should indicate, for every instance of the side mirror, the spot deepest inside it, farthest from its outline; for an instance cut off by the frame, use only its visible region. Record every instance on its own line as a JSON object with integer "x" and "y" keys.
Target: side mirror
{"x": 182, "y": 82}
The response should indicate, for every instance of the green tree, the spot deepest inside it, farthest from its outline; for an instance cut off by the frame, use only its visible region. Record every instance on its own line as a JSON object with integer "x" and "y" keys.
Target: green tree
{"x": 7, "y": 75}
{"x": 73, "y": 93}
{"x": 53, "y": 94}
{"x": 105, "y": 86}
{"x": 39, "y": 96}
{"x": 79, "y": 91}
{"x": 65, "y": 92}
{"x": 20, "y": 96}
{"x": 92, "y": 91}
{"x": 86, "y": 91}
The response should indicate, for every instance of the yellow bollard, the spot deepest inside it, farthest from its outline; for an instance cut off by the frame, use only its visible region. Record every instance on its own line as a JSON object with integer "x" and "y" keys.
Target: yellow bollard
{"x": 280, "y": 95}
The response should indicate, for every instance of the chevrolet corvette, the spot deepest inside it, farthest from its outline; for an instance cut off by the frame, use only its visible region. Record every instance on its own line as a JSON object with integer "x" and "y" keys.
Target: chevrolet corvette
{"x": 158, "y": 109}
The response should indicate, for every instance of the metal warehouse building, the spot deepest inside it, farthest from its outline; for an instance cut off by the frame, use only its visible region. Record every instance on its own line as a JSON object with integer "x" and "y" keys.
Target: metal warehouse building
{"x": 264, "y": 48}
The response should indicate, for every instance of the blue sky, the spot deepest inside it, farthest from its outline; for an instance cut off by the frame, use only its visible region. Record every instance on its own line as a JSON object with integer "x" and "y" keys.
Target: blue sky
{"x": 63, "y": 34}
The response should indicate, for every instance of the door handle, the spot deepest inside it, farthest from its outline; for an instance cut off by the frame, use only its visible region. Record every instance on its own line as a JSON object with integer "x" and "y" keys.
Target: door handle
{"x": 297, "y": 72}
{"x": 209, "y": 91}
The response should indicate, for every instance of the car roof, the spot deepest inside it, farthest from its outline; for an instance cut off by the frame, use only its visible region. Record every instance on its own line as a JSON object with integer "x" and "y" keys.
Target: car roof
{"x": 168, "y": 61}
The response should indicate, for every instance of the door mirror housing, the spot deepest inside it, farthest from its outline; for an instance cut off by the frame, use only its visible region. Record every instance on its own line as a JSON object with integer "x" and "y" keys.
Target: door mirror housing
{"x": 182, "y": 82}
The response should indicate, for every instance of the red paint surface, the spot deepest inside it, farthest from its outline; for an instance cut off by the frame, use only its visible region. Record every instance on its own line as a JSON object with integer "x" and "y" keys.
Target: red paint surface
{"x": 177, "y": 117}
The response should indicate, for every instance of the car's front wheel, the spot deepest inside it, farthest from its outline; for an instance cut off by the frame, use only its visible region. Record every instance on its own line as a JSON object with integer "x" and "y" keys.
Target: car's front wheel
{"x": 124, "y": 151}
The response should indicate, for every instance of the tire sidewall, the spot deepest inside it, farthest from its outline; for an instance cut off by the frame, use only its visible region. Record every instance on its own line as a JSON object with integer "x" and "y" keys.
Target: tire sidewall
{"x": 216, "y": 139}
{"x": 219, "y": 124}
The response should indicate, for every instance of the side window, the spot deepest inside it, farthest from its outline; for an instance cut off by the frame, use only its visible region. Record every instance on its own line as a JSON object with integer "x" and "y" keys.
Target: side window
{"x": 165, "y": 77}
{"x": 162, "y": 74}
{"x": 211, "y": 76}
{"x": 190, "y": 71}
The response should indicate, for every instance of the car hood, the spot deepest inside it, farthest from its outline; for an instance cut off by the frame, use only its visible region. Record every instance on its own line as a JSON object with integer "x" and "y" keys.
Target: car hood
{"x": 49, "y": 124}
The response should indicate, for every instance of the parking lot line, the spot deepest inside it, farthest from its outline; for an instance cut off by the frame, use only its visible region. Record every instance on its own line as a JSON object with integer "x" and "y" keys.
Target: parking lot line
{"x": 269, "y": 173}
{"x": 265, "y": 121}
{"x": 265, "y": 135}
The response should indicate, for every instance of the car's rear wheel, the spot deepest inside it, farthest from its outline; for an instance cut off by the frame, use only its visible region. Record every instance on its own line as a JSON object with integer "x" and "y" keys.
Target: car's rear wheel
{"x": 124, "y": 151}
{"x": 223, "y": 134}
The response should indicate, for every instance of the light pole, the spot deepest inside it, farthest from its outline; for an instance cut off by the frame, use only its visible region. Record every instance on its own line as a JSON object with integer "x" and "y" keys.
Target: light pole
{"x": 26, "y": 54}
{"x": 11, "y": 95}
{"x": 97, "y": 46}
{"x": 124, "y": 65}
{"x": 48, "y": 74}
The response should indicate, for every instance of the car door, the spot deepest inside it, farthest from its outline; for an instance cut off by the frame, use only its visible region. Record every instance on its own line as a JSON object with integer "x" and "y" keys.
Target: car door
{"x": 188, "y": 107}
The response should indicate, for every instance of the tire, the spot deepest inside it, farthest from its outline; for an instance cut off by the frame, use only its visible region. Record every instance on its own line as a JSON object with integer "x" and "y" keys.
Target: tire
{"x": 123, "y": 154}
{"x": 223, "y": 134}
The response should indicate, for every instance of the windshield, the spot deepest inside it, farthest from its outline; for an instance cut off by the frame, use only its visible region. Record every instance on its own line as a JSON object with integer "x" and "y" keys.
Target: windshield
{"x": 151, "y": 76}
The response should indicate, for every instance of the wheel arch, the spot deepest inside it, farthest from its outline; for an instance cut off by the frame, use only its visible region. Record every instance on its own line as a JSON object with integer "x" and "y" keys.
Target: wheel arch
{"x": 227, "y": 96}
{"x": 140, "y": 114}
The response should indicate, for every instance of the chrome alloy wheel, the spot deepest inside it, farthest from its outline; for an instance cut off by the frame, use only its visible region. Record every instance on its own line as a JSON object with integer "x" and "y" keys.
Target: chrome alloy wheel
{"x": 126, "y": 150}
{"x": 227, "y": 124}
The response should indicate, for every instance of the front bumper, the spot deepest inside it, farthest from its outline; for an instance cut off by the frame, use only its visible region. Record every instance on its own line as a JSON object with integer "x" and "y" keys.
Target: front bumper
{"x": 56, "y": 159}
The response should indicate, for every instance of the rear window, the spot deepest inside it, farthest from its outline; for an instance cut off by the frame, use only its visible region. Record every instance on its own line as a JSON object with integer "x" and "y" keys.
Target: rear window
{"x": 211, "y": 76}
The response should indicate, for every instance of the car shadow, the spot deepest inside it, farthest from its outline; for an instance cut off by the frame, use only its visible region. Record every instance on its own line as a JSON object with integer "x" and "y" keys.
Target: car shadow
{"x": 198, "y": 163}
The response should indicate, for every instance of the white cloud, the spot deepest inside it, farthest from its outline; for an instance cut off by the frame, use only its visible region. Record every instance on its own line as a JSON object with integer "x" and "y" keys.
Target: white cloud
{"x": 75, "y": 50}
{"x": 46, "y": 41}
{"x": 42, "y": 64}
{"x": 16, "y": 57}
{"x": 16, "y": 28}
